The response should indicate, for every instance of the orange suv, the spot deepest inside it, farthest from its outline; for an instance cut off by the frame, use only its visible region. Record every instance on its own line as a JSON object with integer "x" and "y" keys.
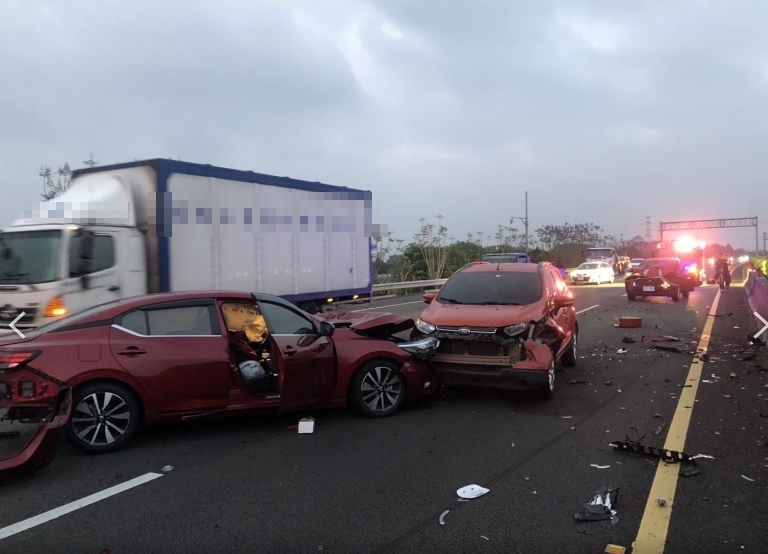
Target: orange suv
{"x": 502, "y": 325}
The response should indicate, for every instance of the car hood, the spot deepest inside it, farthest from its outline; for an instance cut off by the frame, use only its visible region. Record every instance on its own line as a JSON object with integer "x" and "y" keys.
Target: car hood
{"x": 457, "y": 315}
{"x": 369, "y": 321}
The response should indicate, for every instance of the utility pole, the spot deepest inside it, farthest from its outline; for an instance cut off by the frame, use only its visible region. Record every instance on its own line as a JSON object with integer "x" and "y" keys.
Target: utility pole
{"x": 524, "y": 220}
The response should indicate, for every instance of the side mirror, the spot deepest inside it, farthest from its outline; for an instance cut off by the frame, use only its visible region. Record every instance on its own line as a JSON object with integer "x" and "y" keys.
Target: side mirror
{"x": 326, "y": 329}
{"x": 429, "y": 297}
{"x": 562, "y": 301}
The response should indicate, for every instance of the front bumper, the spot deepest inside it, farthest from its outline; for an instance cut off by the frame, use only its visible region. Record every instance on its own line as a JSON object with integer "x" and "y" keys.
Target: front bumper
{"x": 583, "y": 279}
{"x": 420, "y": 382}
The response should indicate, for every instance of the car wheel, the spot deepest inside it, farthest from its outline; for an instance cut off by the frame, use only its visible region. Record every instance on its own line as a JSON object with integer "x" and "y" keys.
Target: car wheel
{"x": 571, "y": 354}
{"x": 686, "y": 294}
{"x": 631, "y": 297}
{"x": 377, "y": 388}
{"x": 547, "y": 392}
{"x": 104, "y": 416}
{"x": 676, "y": 294}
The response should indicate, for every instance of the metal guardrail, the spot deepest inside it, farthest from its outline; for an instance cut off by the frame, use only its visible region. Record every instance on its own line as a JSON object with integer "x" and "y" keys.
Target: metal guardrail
{"x": 408, "y": 285}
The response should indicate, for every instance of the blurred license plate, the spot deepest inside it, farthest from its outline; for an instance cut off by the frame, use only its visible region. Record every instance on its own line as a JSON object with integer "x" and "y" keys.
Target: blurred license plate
{"x": 649, "y": 289}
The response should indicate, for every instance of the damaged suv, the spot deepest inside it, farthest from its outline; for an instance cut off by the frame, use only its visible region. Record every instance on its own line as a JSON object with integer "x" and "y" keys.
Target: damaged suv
{"x": 502, "y": 325}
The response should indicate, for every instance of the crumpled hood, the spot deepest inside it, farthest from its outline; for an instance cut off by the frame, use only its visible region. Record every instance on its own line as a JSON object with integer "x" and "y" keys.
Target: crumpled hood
{"x": 458, "y": 315}
{"x": 369, "y": 321}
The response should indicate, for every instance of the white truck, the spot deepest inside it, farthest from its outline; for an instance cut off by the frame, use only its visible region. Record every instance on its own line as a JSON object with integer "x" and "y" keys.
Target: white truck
{"x": 163, "y": 225}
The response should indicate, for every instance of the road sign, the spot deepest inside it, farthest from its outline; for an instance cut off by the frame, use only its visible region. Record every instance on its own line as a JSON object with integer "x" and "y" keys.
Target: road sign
{"x": 13, "y": 323}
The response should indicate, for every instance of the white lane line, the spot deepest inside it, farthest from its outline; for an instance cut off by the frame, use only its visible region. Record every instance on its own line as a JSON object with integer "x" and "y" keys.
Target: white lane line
{"x": 587, "y": 309}
{"x": 6, "y": 532}
{"x": 389, "y": 306}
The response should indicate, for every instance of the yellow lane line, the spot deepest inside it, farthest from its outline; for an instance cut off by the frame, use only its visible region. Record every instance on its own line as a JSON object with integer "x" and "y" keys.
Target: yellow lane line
{"x": 654, "y": 527}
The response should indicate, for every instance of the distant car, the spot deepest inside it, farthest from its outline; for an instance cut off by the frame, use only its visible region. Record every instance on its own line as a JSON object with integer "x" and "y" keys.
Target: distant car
{"x": 502, "y": 326}
{"x": 635, "y": 263}
{"x": 175, "y": 356}
{"x": 660, "y": 277}
{"x": 592, "y": 272}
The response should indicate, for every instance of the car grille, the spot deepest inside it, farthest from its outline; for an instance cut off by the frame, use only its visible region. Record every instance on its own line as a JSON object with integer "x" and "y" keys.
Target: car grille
{"x": 30, "y": 313}
{"x": 470, "y": 348}
{"x": 472, "y": 330}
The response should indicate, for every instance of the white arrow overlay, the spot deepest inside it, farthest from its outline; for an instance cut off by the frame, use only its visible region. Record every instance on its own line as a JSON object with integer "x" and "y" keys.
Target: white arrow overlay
{"x": 13, "y": 323}
{"x": 765, "y": 324}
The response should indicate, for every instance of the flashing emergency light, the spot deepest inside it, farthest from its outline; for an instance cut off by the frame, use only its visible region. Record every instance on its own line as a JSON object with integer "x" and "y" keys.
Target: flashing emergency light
{"x": 686, "y": 244}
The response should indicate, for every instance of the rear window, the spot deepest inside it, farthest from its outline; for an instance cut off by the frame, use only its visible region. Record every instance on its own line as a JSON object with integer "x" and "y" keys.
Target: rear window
{"x": 503, "y": 287}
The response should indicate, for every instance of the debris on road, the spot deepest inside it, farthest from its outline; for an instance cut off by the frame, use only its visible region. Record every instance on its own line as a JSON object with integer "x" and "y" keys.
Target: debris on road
{"x": 622, "y": 351}
{"x": 747, "y": 478}
{"x": 660, "y": 429}
{"x": 484, "y": 537}
{"x": 628, "y": 340}
{"x": 472, "y": 491}
{"x": 675, "y": 349}
{"x": 689, "y": 472}
{"x": 661, "y": 502}
{"x": 749, "y": 357}
{"x": 306, "y": 425}
{"x": 166, "y": 469}
{"x": 626, "y": 321}
{"x": 600, "y": 507}
{"x": 576, "y": 382}
{"x": 599, "y": 467}
{"x": 442, "y": 517}
{"x": 670, "y": 456}
{"x": 660, "y": 338}
{"x": 615, "y": 549}
{"x": 566, "y": 417}
{"x": 609, "y": 383}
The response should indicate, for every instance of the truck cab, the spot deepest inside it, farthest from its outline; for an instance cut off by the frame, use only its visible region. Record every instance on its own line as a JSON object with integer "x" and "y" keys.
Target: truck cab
{"x": 607, "y": 255}
{"x": 49, "y": 271}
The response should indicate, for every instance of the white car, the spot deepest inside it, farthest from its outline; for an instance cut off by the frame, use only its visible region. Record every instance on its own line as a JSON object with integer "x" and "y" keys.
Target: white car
{"x": 634, "y": 263}
{"x": 592, "y": 272}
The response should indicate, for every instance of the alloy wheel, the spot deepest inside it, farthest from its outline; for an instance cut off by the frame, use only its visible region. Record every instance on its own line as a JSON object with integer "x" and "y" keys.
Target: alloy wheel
{"x": 381, "y": 389}
{"x": 101, "y": 418}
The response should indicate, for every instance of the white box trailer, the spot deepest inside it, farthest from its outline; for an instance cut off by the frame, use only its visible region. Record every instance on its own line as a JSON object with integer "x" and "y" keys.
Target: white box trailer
{"x": 163, "y": 225}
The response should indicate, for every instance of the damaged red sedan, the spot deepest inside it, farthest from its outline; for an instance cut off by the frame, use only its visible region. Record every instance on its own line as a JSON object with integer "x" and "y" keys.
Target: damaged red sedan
{"x": 178, "y": 356}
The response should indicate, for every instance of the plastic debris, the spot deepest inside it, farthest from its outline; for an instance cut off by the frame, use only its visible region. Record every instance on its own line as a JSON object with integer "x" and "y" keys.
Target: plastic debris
{"x": 747, "y": 478}
{"x": 628, "y": 340}
{"x": 615, "y": 549}
{"x": 600, "y": 507}
{"x": 660, "y": 338}
{"x": 670, "y": 456}
{"x": 472, "y": 491}
{"x": 166, "y": 469}
{"x": 661, "y": 502}
{"x": 599, "y": 467}
{"x": 484, "y": 537}
{"x": 306, "y": 425}
{"x": 689, "y": 472}
{"x": 442, "y": 517}
{"x": 566, "y": 417}
{"x": 660, "y": 429}
{"x": 622, "y": 351}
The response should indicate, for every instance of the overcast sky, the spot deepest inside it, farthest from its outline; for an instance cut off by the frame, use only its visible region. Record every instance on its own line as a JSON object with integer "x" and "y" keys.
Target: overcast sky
{"x": 605, "y": 112}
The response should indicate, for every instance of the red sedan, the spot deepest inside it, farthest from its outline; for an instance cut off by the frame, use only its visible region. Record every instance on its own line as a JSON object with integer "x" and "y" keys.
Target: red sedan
{"x": 175, "y": 356}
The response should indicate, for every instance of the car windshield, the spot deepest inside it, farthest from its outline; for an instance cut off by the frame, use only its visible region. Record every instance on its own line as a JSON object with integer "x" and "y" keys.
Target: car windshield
{"x": 587, "y": 266}
{"x": 503, "y": 287}
{"x": 29, "y": 257}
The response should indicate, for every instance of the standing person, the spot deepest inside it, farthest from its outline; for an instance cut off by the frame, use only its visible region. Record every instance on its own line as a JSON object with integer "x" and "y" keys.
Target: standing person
{"x": 721, "y": 264}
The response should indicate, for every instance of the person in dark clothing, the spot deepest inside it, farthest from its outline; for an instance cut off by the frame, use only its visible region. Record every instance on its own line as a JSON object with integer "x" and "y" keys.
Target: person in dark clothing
{"x": 721, "y": 264}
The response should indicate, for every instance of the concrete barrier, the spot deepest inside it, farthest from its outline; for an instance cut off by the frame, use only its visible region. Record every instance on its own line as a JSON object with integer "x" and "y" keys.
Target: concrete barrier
{"x": 757, "y": 293}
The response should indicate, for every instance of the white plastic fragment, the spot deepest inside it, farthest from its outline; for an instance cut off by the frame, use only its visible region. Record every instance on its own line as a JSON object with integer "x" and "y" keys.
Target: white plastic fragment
{"x": 166, "y": 469}
{"x": 306, "y": 425}
{"x": 442, "y": 517}
{"x": 472, "y": 491}
{"x": 747, "y": 478}
{"x": 599, "y": 467}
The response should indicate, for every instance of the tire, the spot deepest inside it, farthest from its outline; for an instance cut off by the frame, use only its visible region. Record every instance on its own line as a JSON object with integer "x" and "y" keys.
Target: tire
{"x": 676, "y": 294}
{"x": 631, "y": 297}
{"x": 571, "y": 354}
{"x": 372, "y": 388}
{"x": 547, "y": 392}
{"x": 686, "y": 293}
{"x": 118, "y": 415}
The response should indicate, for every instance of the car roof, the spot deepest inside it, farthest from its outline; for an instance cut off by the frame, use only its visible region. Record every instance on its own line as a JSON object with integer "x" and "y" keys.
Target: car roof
{"x": 482, "y": 267}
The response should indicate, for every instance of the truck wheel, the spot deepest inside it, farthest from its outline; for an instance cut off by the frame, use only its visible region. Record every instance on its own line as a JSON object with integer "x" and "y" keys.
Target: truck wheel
{"x": 377, "y": 389}
{"x": 104, "y": 417}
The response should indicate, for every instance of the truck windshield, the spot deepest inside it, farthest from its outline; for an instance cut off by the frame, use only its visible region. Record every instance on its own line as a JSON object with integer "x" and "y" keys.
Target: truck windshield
{"x": 598, "y": 253}
{"x": 29, "y": 257}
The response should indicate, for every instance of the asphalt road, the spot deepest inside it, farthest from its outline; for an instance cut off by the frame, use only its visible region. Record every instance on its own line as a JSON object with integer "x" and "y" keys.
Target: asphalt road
{"x": 381, "y": 486}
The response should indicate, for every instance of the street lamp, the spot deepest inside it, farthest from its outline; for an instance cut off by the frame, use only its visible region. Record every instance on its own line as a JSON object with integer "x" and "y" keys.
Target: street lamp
{"x": 524, "y": 220}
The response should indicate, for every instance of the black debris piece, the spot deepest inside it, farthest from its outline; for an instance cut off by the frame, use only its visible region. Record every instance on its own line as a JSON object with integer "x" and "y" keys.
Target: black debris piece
{"x": 600, "y": 507}
{"x": 670, "y": 456}
{"x": 749, "y": 357}
{"x": 628, "y": 340}
{"x": 689, "y": 472}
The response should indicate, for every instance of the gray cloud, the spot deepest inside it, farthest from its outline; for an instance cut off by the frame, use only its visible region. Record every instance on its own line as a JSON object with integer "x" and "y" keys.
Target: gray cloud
{"x": 604, "y": 112}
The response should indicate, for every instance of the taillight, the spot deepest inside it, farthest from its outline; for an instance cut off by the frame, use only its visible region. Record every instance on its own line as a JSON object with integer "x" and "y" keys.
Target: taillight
{"x": 55, "y": 308}
{"x": 11, "y": 360}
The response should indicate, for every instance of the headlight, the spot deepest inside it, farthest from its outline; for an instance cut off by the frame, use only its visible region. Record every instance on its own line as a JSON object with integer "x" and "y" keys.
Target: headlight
{"x": 425, "y": 327}
{"x": 516, "y": 329}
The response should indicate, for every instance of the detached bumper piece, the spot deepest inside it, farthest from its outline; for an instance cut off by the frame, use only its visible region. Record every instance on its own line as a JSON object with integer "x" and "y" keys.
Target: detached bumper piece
{"x": 670, "y": 456}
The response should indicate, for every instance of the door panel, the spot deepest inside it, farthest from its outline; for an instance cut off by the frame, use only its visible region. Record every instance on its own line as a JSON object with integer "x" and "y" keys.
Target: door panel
{"x": 179, "y": 372}
{"x": 306, "y": 361}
